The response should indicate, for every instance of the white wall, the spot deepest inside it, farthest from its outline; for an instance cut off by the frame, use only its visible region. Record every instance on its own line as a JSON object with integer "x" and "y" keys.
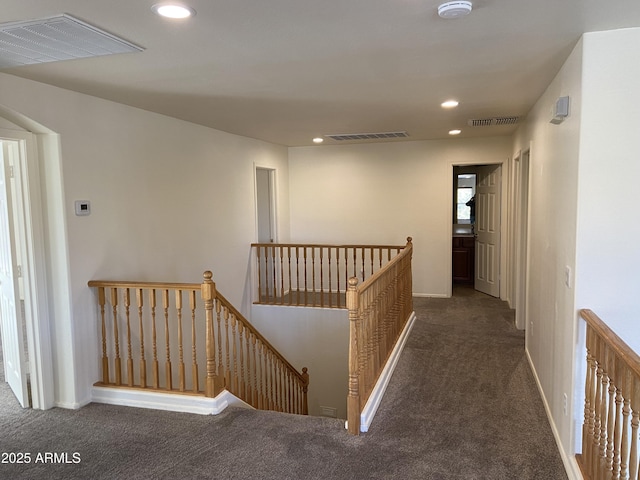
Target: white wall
{"x": 382, "y": 193}
{"x": 316, "y": 338}
{"x": 553, "y": 177}
{"x": 581, "y": 180}
{"x": 608, "y": 255}
{"x": 169, "y": 199}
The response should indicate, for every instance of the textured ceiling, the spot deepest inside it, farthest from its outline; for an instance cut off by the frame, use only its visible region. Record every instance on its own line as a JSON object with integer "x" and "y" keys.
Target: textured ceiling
{"x": 286, "y": 71}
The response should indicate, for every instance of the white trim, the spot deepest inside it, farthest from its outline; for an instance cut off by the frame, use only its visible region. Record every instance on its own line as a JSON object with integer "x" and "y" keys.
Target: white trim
{"x": 371, "y": 407}
{"x": 569, "y": 461}
{"x": 431, "y": 295}
{"x": 167, "y": 401}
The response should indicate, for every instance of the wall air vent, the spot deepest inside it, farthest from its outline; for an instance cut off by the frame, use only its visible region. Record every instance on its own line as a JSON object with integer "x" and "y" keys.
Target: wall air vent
{"x": 57, "y": 38}
{"x": 493, "y": 121}
{"x": 367, "y": 136}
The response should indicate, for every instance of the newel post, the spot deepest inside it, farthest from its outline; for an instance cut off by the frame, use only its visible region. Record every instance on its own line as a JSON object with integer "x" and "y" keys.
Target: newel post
{"x": 208, "y": 290}
{"x": 353, "y": 399}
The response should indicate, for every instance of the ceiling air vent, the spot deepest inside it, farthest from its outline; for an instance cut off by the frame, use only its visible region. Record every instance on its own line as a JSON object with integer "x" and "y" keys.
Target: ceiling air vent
{"x": 57, "y": 38}
{"x": 367, "y": 136}
{"x": 493, "y": 121}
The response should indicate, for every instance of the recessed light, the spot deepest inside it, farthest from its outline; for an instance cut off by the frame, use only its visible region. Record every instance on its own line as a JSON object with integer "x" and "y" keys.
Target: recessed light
{"x": 449, "y": 104}
{"x": 318, "y": 140}
{"x": 455, "y": 132}
{"x": 173, "y": 10}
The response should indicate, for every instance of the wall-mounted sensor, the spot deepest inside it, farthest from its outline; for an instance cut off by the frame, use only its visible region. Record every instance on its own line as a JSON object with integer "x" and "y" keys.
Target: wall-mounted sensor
{"x": 83, "y": 207}
{"x": 560, "y": 110}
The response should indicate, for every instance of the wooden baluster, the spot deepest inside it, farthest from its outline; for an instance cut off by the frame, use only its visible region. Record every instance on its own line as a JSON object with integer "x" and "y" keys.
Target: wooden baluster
{"x": 321, "y": 249}
{"x": 269, "y": 372}
{"x": 634, "y": 396}
{"x": 227, "y": 372}
{"x": 290, "y": 277}
{"x": 305, "y": 388}
{"x": 194, "y": 357}
{"x": 590, "y": 393}
{"x": 235, "y": 385}
{"x": 181, "y": 373}
{"x": 355, "y": 268}
{"x": 152, "y": 305}
{"x": 603, "y": 414}
{"x": 105, "y": 358}
{"x": 353, "y": 399}
{"x": 127, "y": 305}
{"x": 289, "y": 390}
{"x": 143, "y": 361}
{"x": 330, "y": 275}
{"x": 611, "y": 418}
{"x": 617, "y": 437}
{"x": 313, "y": 275}
{"x": 304, "y": 252}
{"x": 165, "y": 306}
{"x": 371, "y": 259}
{"x": 297, "y": 276}
{"x": 624, "y": 453}
{"x": 256, "y": 366}
{"x": 116, "y": 335}
{"x": 260, "y": 366}
{"x": 273, "y": 273}
{"x": 258, "y": 257}
{"x": 379, "y": 257}
{"x": 267, "y": 274}
{"x": 281, "y": 275}
{"x": 264, "y": 379}
{"x": 596, "y": 425}
{"x": 221, "y": 371}
{"x": 245, "y": 375}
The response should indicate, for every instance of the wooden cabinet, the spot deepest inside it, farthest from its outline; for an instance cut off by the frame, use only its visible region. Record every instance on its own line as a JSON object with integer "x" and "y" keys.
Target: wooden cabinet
{"x": 463, "y": 259}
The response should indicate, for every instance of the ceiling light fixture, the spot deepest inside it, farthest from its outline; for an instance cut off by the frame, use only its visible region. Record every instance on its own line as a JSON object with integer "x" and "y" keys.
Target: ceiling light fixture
{"x": 173, "y": 10}
{"x": 318, "y": 140}
{"x": 455, "y": 132}
{"x": 449, "y": 104}
{"x": 455, "y": 9}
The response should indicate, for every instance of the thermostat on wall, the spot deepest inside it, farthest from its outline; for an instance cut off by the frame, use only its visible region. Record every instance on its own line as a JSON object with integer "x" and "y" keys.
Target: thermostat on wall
{"x": 83, "y": 207}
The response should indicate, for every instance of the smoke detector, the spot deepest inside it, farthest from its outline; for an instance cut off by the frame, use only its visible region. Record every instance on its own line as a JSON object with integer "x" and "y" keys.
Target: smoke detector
{"x": 455, "y": 9}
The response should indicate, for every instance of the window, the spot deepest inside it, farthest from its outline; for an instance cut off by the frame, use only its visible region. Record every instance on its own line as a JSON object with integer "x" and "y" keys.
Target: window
{"x": 465, "y": 192}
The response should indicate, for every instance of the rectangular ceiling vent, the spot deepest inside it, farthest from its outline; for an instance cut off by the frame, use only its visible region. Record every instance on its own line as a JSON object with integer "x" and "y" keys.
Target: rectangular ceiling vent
{"x": 367, "y": 136}
{"x": 57, "y": 38}
{"x": 494, "y": 121}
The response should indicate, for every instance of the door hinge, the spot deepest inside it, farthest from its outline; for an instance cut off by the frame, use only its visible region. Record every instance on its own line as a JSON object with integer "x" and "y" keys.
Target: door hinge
{"x": 11, "y": 172}
{"x": 19, "y": 271}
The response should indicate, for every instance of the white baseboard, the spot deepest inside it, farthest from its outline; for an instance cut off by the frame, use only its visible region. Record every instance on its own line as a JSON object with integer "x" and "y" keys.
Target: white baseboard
{"x": 431, "y": 295}
{"x": 167, "y": 401}
{"x": 569, "y": 460}
{"x": 370, "y": 409}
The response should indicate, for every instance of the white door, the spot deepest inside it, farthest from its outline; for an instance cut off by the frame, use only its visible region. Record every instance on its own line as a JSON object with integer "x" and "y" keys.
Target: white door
{"x": 10, "y": 311}
{"x": 487, "y": 230}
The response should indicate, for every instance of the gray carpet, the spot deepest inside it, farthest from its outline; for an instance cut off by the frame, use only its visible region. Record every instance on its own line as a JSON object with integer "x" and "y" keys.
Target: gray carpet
{"x": 462, "y": 404}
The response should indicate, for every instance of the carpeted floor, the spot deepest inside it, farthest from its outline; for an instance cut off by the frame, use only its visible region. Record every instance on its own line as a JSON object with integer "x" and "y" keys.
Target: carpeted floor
{"x": 462, "y": 404}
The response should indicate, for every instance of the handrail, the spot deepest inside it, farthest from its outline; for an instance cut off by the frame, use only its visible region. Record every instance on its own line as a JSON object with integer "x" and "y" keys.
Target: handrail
{"x": 378, "y": 311}
{"x": 612, "y": 405}
{"x": 238, "y": 358}
{"x": 313, "y": 274}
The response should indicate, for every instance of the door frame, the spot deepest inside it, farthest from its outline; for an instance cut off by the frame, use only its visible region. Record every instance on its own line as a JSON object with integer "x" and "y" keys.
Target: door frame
{"x": 30, "y": 210}
{"x": 503, "y": 230}
{"x": 521, "y": 229}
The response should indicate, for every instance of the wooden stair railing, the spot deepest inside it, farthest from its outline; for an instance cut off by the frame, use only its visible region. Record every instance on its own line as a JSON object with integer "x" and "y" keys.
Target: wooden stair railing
{"x": 378, "y": 312}
{"x": 313, "y": 274}
{"x": 611, "y": 407}
{"x": 159, "y": 330}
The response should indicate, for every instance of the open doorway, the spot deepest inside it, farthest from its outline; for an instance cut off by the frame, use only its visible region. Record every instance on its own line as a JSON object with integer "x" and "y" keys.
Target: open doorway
{"x": 477, "y": 227}
{"x": 12, "y": 291}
